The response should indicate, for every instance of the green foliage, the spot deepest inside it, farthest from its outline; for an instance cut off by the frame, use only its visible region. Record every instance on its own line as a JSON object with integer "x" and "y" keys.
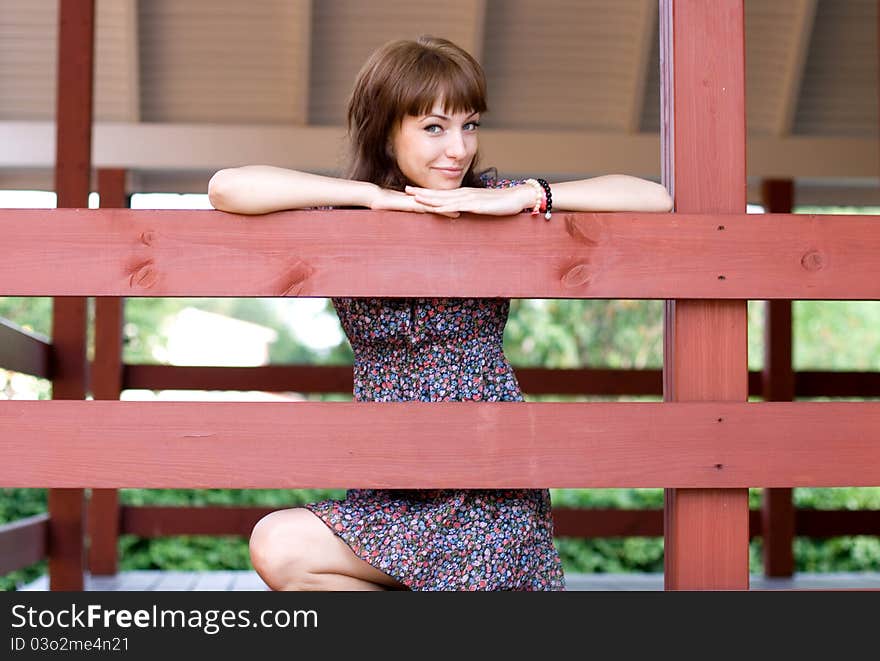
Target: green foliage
{"x": 18, "y": 504}
{"x": 578, "y": 333}
{"x": 632, "y": 554}
{"x": 33, "y": 314}
{"x": 836, "y": 335}
{"x": 185, "y": 553}
{"x": 144, "y": 334}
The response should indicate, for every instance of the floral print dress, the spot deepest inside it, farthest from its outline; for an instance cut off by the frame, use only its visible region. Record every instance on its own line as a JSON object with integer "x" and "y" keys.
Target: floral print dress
{"x": 432, "y": 350}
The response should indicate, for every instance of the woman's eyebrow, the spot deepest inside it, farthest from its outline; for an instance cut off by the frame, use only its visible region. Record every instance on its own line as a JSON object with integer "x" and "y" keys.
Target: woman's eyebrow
{"x": 475, "y": 112}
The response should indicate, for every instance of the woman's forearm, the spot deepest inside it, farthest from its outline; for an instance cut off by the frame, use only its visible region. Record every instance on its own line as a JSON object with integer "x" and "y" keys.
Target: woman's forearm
{"x": 257, "y": 189}
{"x": 613, "y": 192}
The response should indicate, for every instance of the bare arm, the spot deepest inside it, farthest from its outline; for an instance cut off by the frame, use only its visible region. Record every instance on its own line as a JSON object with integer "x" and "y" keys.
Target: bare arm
{"x": 612, "y": 192}
{"x": 257, "y": 189}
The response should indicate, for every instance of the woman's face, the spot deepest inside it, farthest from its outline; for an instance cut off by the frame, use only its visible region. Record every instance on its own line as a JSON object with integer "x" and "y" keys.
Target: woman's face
{"x": 436, "y": 150}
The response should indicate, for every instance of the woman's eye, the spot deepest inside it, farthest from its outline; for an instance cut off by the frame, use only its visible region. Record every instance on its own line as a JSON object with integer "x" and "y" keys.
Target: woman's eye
{"x": 434, "y": 128}
{"x": 471, "y": 126}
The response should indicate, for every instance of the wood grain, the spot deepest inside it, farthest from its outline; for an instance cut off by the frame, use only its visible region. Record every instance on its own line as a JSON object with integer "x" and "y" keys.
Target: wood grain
{"x": 371, "y": 253}
{"x": 444, "y": 444}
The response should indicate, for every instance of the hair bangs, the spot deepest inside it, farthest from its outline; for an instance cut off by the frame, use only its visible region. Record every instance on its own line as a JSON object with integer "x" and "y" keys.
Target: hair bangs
{"x": 457, "y": 88}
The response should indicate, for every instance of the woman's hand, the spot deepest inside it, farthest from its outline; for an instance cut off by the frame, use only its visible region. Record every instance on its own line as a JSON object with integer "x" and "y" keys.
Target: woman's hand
{"x": 392, "y": 200}
{"x": 488, "y": 201}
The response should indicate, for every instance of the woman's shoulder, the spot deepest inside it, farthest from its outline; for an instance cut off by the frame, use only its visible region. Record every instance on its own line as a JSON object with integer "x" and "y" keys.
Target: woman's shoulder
{"x": 490, "y": 179}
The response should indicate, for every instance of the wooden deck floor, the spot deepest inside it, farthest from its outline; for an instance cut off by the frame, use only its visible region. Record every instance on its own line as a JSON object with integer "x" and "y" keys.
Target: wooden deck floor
{"x": 249, "y": 581}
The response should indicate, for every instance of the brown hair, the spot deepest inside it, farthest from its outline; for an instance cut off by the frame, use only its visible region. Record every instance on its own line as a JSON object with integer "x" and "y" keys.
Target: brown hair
{"x": 406, "y": 78}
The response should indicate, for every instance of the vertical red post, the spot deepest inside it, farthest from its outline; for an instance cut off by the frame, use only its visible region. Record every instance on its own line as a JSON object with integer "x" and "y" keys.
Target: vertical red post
{"x": 702, "y": 59}
{"x": 106, "y": 370}
{"x": 777, "y": 508}
{"x": 73, "y": 154}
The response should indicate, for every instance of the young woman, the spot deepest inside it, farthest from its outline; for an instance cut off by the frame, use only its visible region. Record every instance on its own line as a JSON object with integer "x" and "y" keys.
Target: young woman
{"x": 414, "y": 120}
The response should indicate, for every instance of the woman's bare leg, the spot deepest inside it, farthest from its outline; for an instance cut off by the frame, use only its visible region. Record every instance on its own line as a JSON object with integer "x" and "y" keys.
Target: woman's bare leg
{"x": 294, "y": 550}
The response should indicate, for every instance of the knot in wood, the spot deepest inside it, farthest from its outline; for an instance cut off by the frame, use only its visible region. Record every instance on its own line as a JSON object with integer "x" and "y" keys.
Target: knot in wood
{"x": 144, "y": 275}
{"x": 295, "y": 278}
{"x": 577, "y": 276}
{"x": 813, "y": 261}
{"x": 577, "y": 229}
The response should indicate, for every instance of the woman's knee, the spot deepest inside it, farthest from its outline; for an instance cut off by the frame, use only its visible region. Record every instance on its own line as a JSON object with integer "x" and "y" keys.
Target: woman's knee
{"x": 283, "y": 548}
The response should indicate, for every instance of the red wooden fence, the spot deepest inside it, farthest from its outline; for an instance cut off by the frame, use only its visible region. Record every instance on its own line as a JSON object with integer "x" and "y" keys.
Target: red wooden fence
{"x": 706, "y": 260}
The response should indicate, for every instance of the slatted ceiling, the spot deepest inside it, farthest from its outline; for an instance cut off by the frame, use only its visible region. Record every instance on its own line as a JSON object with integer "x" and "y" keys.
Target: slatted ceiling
{"x": 839, "y": 91}
{"x": 345, "y": 32}
{"x": 28, "y": 58}
{"x": 116, "y": 80}
{"x": 571, "y": 73}
{"x": 771, "y": 34}
{"x": 567, "y": 64}
{"x": 222, "y": 61}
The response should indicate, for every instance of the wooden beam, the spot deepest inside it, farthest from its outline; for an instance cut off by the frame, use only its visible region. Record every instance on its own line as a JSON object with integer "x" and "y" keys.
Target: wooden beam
{"x": 103, "y": 507}
{"x": 705, "y": 343}
{"x": 117, "y": 61}
{"x": 534, "y": 380}
{"x": 338, "y": 378}
{"x": 477, "y": 22}
{"x": 303, "y": 65}
{"x": 133, "y": 42}
{"x": 152, "y": 521}
{"x": 837, "y": 384}
{"x": 23, "y": 542}
{"x": 777, "y": 507}
{"x": 23, "y": 351}
{"x": 339, "y": 253}
{"x": 439, "y": 444}
{"x": 802, "y": 31}
{"x": 568, "y": 154}
{"x": 644, "y": 30}
{"x": 76, "y": 46}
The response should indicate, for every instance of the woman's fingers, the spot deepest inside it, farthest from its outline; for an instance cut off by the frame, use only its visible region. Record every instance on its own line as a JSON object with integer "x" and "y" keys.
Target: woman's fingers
{"x": 436, "y": 195}
{"x": 397, "y": 201}
{"x": 422, "y": 208}
{"x": 459, "y": 200}
{"x": 441, "y": 200}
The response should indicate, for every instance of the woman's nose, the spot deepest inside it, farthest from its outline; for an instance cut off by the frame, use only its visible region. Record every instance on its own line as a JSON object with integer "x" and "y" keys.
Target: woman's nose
{"x": 455, "y": 147}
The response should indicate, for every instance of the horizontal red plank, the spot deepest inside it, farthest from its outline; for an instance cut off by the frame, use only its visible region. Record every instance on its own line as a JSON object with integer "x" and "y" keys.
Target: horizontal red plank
{"x": 23, "y": 542}
{"x": 123, "y": 252}
{"x": 163, "y": 521}
{"x": 22, "y": 351}
{"x": 533, "y": 380}
{"x": 440, "y": 445}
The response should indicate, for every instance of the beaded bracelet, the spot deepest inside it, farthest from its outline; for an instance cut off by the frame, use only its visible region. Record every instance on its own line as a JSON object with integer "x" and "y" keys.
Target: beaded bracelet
{"x": 548, "y": 198}
{"x": 539, "y": 195}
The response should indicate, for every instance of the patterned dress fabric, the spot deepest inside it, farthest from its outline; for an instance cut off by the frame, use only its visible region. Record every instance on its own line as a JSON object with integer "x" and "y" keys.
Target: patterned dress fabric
{"x": 433, "y": 350}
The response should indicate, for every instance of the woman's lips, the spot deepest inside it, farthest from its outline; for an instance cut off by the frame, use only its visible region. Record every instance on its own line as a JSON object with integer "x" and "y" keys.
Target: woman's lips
{"x": 450, "y": 172}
